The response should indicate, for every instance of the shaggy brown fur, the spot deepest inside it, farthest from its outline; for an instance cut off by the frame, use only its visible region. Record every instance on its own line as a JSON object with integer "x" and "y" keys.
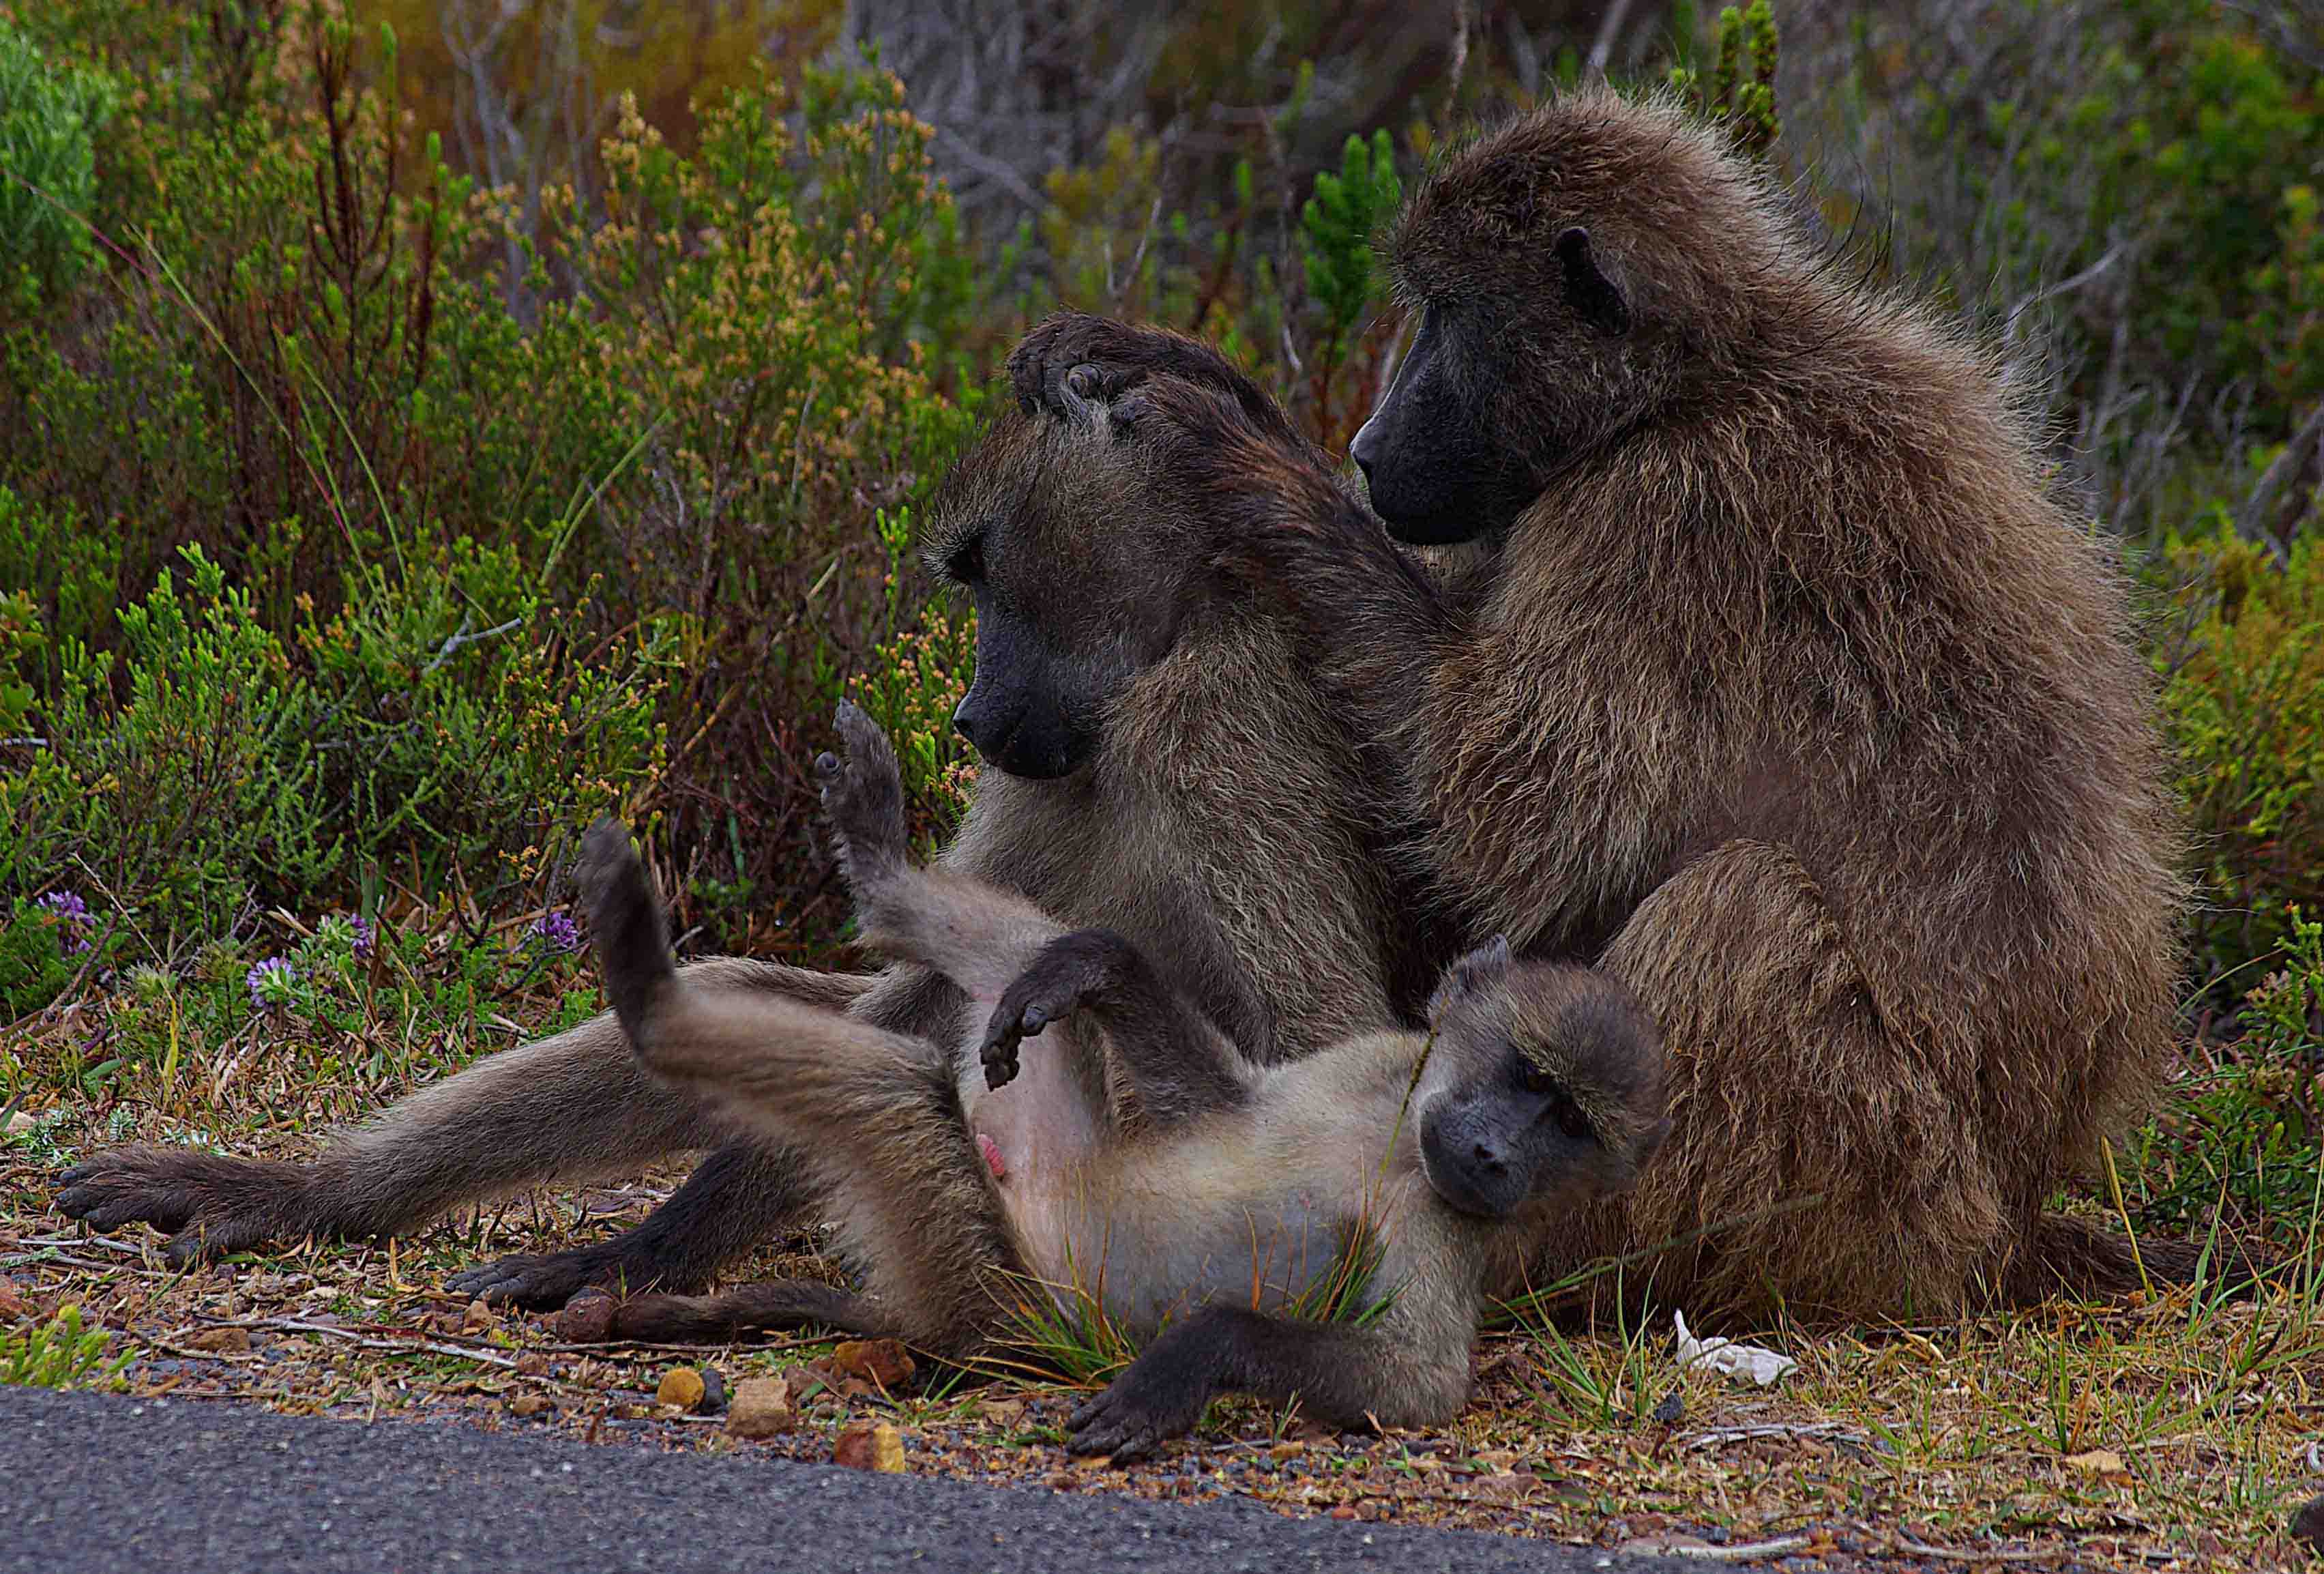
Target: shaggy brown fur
{"x": 1784, "y": 690}
{"x": 1223, "y": 822}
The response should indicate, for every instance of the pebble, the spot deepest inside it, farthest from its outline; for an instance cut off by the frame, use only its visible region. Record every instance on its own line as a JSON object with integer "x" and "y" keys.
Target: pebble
{"x": 761, "y": 1407}
{"x": 682, "y": 1387}
{"x": 870, "y": 1446}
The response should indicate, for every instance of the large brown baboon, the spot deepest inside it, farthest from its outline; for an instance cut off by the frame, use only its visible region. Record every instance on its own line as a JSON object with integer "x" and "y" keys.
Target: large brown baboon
{"x": 1772, "y": 679}
{"x": 1174, "y": 779}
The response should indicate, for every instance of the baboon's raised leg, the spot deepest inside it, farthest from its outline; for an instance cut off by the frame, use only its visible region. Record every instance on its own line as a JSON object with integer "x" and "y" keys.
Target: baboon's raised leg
{"x": 568, "y": 1107}
{"x": 1790, "y": 1082}
{"x": 739, "y": 1196}
{"x": 873, "y": 1116}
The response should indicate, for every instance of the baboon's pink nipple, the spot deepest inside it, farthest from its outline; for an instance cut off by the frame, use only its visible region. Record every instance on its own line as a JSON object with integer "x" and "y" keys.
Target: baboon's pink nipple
{"x": 992, "y": 1159}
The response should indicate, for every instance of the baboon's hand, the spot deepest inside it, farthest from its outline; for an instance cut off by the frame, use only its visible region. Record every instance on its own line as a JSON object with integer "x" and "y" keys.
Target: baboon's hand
{"x": 1161, "y": 1396}
{"x": 1072, "y": 359}
{"x": 1059, "y": 982}
{"x": 1108, "y": 356}
{"x": 864, "y": 794}
{"x": 211, "y": 1204}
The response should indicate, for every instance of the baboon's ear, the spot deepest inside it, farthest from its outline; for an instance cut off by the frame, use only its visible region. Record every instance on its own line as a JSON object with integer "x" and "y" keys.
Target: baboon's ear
{"x": 1475, "y": 972}
{"x": 1591, "y": 293}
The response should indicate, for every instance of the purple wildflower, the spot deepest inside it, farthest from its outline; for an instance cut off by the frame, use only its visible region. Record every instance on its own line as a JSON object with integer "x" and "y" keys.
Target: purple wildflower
{"x": 558, "y": 931}
{"x": 72, "y": 915}
{"x": 365, "y": 933}
{"x": 270, "y": 982}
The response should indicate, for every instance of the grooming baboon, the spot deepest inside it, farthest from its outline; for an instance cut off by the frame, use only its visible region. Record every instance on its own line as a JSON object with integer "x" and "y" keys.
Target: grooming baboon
{"x": 1135, "y": 1165}
{"x": 1193, "y": 795}
{"x": 1771, "y": 678}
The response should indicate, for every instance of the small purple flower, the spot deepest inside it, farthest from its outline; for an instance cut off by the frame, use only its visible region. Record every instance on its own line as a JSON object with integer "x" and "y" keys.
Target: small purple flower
{"x": 558, "y": 931}
{"x": 72, "y": 915}
{"x": 365, "y": 933}
{"x": 270, "y": 982}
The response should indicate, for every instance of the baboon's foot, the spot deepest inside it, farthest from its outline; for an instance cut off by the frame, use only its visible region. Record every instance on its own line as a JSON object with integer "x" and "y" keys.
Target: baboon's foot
{"x": 543, "y": 1281}
{"x": 864, "y": 794}
{"x": 211, "y": 1205}
{"x": 1068, "y": 974}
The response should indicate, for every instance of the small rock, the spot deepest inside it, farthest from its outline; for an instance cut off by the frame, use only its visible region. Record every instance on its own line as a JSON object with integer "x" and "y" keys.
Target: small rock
{"x": 2308, "y": 1524}
{"x": 1001, "y": 1411}
{"x": 761, "y": 1407}
{"x": 884, "y": 1362}
{"x": 221, "y": 1341}
{"x": 479, "y": 1318}
{"x": 587, "y": 1319}
{"x": 525, "y": 1406}
{"x": 12, "y": 1304}
{"x": 713, "y": 1392}
{"x": 1346, "y": 1511}
{"x": 532, "y": 1364}
{"x": 2096, "y": 1462}
{"x": 870, "y": 1446}
{"x": 21, "y": 1122}
{"x": 1672, "y": 1410}
{"x": 681, "y": 1386}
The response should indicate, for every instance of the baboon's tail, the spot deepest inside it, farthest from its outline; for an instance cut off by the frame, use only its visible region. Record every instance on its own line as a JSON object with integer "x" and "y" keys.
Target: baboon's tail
{"x": 2084, "y": 1259}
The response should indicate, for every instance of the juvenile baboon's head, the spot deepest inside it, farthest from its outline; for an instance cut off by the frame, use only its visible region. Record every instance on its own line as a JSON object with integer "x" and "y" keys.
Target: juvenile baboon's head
{"x": 1082, "y": 565}
{"x": 1544, "y": 1084}
{"x": 1571, "y": 270}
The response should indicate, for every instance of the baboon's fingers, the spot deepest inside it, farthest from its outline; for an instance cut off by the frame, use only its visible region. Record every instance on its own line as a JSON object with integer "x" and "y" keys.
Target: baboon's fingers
{"x": 1143, "y": 1409}
{"x": 863, "y": 793}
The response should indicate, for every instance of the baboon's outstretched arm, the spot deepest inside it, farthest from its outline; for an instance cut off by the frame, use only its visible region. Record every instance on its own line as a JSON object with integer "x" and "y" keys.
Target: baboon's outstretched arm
{"x": 1179, "y": 1063}
{"x": 1343, "y": 1374}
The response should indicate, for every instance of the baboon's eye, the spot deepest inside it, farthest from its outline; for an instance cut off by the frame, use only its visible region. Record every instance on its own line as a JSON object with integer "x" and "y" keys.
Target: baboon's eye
{"x": 966, "y": 564}
{"x": 1567, "y": 1114}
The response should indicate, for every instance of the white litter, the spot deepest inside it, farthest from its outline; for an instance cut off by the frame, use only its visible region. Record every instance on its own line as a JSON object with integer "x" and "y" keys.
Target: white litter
{"x": 1762, "y": 1366}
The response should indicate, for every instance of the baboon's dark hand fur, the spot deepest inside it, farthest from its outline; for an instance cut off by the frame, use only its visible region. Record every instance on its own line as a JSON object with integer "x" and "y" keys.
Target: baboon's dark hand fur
{"x": 1161, "y": 1396}
{"x": 863, "y": 795}
{"x": 1072, "y": 357}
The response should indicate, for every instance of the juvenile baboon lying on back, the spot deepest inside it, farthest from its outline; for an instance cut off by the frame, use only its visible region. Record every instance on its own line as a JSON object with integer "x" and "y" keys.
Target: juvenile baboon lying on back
{"x": 1135, "y": 1162}
{"x": 1155, "y": 764}
{"x": 1771, "y": 678}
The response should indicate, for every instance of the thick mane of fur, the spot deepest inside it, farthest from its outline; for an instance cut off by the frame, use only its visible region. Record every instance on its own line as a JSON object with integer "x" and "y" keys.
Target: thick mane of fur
{"x": 1811, "y": 589}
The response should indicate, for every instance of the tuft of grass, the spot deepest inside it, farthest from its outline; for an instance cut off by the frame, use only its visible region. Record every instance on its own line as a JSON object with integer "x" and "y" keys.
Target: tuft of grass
{"x": 59, "y": 1354}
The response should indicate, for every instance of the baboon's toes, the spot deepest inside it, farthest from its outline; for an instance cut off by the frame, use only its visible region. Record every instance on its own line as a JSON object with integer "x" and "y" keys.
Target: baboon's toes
{"x": 209, "y": 1203}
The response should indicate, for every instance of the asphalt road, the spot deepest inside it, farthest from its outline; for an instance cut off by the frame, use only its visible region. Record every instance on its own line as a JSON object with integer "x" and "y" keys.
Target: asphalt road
{"x": 114, "y": 1485}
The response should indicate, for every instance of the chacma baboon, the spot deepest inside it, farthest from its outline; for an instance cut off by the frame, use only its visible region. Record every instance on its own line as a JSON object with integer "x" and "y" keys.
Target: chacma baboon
{"x": 1180, "y": 782}
{"x": 1770, "y": 677}
{"x": 1137, "y": 1166}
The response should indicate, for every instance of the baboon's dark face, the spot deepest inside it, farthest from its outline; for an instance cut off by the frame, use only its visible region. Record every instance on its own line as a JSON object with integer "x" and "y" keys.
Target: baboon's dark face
{"x": 1545, "y": 1086}
{"x": 1432, "y": 452}
{"x": 1058, "y": 533}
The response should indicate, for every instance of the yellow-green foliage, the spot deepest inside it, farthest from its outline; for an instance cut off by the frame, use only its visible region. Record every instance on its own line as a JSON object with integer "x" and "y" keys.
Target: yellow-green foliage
{"x": 57, "y": 1354}
{"x": 2245, "y": 709}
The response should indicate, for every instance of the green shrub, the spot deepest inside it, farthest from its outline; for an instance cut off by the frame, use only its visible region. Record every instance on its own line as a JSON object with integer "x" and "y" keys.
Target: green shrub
{"x": 59, "y": 1354}
{"x": 2244, "y": 709}
{"x": 2244, "y": 1132}
{"x": 50, "y": 116}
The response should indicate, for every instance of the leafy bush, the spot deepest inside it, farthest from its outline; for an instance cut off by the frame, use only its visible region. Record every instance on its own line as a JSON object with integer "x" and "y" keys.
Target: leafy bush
{"x": 57, "y": 1354}
{"x": 2244, "y": 706}
{"x": 48, "y": 119}
{"x": 2244, "y": 1133}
